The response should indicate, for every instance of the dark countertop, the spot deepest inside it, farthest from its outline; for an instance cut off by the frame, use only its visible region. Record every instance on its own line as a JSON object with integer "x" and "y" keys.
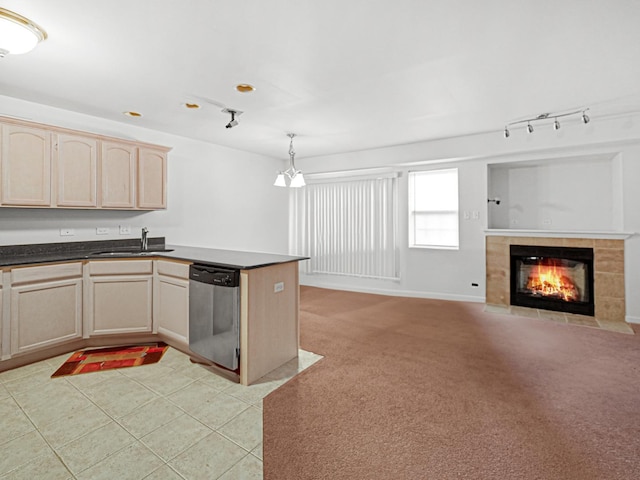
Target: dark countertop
{"x": 228, "y": 258}
{"x": 13, "y": 255}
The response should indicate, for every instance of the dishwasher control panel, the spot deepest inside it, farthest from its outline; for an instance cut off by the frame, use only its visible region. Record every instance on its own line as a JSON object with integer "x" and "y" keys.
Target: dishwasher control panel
{"x": 222, "y": 277}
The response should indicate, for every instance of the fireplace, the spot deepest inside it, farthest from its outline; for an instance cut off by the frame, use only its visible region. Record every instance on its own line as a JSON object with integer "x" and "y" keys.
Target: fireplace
{"x": 552, "y": 278}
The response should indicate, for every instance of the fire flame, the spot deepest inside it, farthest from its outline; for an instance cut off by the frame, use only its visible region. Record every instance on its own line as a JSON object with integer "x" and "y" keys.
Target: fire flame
{"x": 552, "y": 281}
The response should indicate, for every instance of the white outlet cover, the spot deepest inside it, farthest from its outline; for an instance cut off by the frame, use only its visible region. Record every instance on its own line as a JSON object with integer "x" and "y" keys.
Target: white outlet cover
{"x": 125, "y": 229}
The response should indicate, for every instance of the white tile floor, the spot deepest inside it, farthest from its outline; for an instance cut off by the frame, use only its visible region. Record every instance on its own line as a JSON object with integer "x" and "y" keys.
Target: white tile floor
{"x": 169, "y": 421}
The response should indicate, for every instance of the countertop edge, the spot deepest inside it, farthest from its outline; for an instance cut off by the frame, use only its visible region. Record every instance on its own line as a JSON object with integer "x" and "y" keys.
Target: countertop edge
{"x": 200, "y": 255}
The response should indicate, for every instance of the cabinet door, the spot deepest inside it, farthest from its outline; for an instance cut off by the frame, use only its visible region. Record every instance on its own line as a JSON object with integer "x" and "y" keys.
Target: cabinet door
{"x": 171, "y": 308}
{"x": 171, "y": 301}
{"x": 118, "y": 171}
{"x": 152, "y": 178}
{"x": 75, "y": 166}
{"x": 120, "y": 304}
{"x": 26, "y": 166}
{"x": 45, "y": 314}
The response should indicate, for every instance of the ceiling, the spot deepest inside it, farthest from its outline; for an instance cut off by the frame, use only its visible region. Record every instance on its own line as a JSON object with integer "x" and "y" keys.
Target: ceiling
{"x": 343, "y": 75}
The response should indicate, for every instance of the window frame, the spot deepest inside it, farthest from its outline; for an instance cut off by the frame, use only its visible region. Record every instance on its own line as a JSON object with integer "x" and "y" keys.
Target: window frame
{"x": 412, "y": 211}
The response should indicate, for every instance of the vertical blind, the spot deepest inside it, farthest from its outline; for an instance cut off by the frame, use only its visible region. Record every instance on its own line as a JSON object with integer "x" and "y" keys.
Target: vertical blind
{"x": 349, "y": 227}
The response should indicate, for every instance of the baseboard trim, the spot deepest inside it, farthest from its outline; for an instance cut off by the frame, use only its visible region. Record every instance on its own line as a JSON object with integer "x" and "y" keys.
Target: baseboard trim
{"x": 630, "y": 319}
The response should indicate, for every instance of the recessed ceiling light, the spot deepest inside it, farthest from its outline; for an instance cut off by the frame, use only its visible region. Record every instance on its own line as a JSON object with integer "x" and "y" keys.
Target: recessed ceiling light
{"x": 132, "y": 114}
{"x": 192, "y": 106}
{"x": 245, "y": 88}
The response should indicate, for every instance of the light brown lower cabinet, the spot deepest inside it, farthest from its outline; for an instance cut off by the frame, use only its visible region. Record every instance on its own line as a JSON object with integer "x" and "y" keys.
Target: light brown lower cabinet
{"x": 46, "y": 306}
{"x": 171, "y": 301}
{"x": 118, "y": 298}
{"x": 113, "y": 300}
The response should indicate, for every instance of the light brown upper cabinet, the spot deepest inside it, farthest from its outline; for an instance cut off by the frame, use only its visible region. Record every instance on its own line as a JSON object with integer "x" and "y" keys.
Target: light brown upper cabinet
{"x": 45, "y": 166}
{"x": 152, "y": 181}
{"x": 75, "y": 160}
{"x": 118, "y": 171}
{"x": 26, "y": 166}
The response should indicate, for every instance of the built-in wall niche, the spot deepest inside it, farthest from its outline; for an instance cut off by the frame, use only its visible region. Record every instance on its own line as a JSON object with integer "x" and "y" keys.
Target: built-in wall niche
{"x": 557, "y": 194}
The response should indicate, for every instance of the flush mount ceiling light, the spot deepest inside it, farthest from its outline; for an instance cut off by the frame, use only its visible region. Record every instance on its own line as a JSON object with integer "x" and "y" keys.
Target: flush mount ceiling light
{"x": 18, "y": 34}
{"x": 291, "y": 177}
{"x": 233, "y": 114}
{"x": 545, "y": 117}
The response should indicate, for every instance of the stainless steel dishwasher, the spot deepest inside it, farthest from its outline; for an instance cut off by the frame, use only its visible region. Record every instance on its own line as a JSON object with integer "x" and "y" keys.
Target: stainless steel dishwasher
{"x": 214, "y": 314}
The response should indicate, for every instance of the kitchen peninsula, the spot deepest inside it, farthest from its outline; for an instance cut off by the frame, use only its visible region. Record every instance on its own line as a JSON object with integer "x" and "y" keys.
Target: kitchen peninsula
{"x": 56, "y": 298}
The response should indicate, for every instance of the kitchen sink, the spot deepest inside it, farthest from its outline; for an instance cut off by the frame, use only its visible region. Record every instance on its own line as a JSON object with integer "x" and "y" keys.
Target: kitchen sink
{"x": 128, "y": 253}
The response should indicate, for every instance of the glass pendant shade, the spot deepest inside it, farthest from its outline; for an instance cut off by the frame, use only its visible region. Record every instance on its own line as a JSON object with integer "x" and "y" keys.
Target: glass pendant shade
{"x": 18, "y": 34}
{"x": 280, "y": 181}
{"x": 297, "y": 181}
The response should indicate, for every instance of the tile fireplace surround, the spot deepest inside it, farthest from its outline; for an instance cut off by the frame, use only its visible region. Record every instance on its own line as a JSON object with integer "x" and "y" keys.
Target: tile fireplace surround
{"x": 608, "y": 279}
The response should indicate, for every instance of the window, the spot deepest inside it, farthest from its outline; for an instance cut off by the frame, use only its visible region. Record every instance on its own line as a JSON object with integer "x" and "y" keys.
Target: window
{"x": 349, "y": 227}
{"x": 433, "y": 209}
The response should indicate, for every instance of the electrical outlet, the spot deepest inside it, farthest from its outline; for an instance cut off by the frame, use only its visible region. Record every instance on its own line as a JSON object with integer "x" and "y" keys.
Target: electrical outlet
{"x": 102, "y": 231}
{"x": 67, "y": 232}
{"x": 546, "y": 222}
{"x": 125, "y": 230}
{"x": 278, "y": 287}
{"x": 476, "y": 215}
{"x": 466, "y": 215}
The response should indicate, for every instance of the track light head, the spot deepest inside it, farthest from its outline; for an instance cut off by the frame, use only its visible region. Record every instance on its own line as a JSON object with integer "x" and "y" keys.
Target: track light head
{"x": 556, "y": 124}
{"x": 506, "y": 132}
{"x": 529, "y": 128}
{"x": 585, "y": 118}
{"x": 233, "y": 114}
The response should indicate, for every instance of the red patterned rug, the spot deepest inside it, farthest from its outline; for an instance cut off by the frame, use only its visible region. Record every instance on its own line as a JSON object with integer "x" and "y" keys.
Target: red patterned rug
{"x": 98, "y": 359}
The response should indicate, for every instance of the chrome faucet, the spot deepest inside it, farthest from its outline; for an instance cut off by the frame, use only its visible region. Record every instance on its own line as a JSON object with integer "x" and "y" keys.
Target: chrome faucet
{"x": 143, "y": 239}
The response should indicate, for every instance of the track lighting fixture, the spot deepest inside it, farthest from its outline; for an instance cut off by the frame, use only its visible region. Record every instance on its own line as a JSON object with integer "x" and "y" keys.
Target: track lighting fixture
{"x": 233, "y": 113}
{"x": 547, "y": 116}
{"x": 294, "y": 177}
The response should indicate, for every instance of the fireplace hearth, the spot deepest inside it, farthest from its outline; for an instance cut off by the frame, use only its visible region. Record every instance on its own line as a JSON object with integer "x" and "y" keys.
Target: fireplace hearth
{"x": 607, "y": 290}
{"x": 552, "y": 278}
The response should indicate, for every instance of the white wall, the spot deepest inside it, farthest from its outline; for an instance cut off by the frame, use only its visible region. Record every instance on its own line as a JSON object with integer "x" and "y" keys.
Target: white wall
{"x": 217, "y": 197}
{"x": 449, "y": 274}
{"x": 554, "y": 195}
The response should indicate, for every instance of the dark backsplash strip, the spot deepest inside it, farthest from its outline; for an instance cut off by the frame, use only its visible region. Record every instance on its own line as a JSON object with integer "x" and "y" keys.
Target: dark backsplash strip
{"x": 73, "y": 247}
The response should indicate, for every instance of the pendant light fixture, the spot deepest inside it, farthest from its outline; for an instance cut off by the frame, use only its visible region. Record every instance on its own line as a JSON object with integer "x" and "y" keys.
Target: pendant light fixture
{"x": 290, "y": 177}
{"x": 18, "y": 34}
